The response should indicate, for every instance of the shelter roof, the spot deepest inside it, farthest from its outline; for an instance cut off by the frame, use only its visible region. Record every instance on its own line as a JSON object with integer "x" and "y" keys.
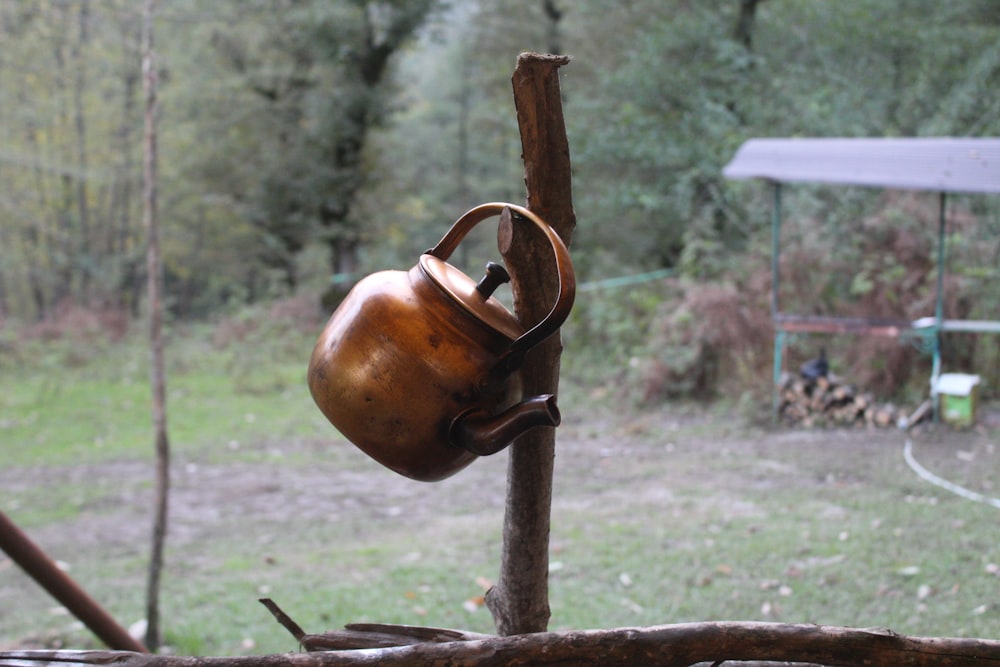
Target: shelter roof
{"x": 941, "y": 164}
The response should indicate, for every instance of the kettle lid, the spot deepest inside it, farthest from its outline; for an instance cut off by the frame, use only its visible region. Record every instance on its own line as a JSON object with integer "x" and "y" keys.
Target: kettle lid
{"x": 476, "y": 301}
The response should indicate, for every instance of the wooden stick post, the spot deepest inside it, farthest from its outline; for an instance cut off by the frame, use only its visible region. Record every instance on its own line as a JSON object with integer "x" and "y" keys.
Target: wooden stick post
{"x": 519, "y": 601}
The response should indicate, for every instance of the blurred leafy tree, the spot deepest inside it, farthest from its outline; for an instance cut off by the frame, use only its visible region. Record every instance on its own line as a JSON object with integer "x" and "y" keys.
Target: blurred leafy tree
{"x": 681, "y": 85}
{"x": 313, "y": 72}
{"x": 364, "y": 127}
{"x": 660, "y": 95}
{"x": 456, "y": 119}
{"x": 68, "y": 85}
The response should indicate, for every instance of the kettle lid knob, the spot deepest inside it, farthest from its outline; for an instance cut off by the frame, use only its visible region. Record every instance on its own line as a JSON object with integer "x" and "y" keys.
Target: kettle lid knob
{"x": 496, "y": 275}
{"x": 463, "y": 291}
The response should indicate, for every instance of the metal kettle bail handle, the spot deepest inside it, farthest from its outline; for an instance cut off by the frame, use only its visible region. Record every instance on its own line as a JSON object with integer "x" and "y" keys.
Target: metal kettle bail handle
{"x": 564, "y": 268}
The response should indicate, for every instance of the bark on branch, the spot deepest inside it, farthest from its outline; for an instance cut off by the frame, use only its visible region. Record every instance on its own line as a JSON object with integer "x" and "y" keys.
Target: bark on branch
{"x": 679, "y": 645}
{"x": 519, "y": 601}
{"x": 154, "y": 271}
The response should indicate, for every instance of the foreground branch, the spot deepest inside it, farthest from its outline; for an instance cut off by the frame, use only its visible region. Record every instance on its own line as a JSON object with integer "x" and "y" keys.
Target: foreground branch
{"x": 659, "y": 646}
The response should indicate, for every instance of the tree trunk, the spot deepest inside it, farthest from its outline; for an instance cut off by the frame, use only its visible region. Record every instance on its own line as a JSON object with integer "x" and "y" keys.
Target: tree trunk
{"x": 4, "y": 306}
{"x": 519, "y": 601}
{"x": 38, "y": 239}
{"x": 554, "y": 15}
{"x": 80, "y": 130}
{"x": 744, "y": 24}
{"x": 63, "y": 252}
{"x": 120, "y": 220}
{"x": 157, "y": 374}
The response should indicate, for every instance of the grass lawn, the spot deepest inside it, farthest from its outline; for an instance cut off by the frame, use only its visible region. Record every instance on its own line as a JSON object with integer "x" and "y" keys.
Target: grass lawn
{"x": 679, "y": 513}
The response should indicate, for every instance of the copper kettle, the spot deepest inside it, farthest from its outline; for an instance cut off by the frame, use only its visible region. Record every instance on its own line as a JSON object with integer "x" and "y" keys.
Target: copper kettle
{"x": 420, "y": 368}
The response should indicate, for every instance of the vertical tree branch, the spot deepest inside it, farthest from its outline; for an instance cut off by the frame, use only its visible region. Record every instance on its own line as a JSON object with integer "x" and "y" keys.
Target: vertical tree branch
{"x": 157, "y": 373}
{"x": 519, "y": 601}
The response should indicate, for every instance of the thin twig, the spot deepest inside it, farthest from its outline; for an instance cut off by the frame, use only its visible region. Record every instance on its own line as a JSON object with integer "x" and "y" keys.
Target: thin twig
{"x": 283, "y": 619}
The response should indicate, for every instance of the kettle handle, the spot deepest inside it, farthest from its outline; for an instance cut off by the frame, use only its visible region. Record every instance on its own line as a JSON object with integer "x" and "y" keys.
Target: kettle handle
{"x": 564, "y": 268}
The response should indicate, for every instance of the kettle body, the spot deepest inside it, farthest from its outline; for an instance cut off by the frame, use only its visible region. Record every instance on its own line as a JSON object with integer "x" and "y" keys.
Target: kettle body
{"x": 420, "y": 368}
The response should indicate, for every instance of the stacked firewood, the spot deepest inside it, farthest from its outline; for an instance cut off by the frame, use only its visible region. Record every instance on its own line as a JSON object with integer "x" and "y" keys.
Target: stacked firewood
{"x": 830, "y": 401}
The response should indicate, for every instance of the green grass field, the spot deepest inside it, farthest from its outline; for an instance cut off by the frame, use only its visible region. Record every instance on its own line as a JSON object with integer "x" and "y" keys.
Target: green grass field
{"x": 680, "y": 513}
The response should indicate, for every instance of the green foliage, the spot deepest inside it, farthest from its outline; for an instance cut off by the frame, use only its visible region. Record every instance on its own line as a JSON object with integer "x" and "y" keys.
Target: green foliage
{"x": 300, "y": 137}
{"x": 311, "y": 75}
{"x": 606, "y": 329}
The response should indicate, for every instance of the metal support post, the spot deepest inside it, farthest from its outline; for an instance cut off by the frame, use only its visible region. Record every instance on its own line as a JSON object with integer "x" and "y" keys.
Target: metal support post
{"x": 775, "y": 248}
{"x": 779, "y": 349}
{"x": 938, "y": 308}
{"x": 779, "y": 335}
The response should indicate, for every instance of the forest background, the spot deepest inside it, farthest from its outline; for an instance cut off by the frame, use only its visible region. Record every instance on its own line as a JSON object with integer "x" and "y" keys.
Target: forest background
{"x": 306, "y": 142}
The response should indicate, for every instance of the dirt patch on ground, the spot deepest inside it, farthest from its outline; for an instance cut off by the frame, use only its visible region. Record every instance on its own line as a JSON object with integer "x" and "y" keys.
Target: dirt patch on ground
{"x": 606, "y": 463}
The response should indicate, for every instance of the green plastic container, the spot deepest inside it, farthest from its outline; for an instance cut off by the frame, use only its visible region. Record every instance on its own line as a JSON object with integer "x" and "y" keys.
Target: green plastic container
{"x": 958, "y": 394}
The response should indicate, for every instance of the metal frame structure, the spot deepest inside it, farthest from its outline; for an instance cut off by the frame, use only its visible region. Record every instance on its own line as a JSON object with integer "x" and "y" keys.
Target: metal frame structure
{"x": 939, "y": 164}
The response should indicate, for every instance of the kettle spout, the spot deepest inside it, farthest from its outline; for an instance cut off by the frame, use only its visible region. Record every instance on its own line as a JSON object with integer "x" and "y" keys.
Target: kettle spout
{"x": 484, "y": 434}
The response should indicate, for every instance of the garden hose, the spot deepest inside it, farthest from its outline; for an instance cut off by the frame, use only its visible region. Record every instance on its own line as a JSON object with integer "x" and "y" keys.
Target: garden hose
{"x": 943, "y": 483}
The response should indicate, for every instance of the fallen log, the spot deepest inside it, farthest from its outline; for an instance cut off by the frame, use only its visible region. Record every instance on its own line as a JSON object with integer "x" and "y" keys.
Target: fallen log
{"x": 679, "y": 645}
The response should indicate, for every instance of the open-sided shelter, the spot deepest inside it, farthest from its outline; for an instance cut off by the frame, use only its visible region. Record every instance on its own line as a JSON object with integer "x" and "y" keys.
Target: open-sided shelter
{"x": 937, "y": 164}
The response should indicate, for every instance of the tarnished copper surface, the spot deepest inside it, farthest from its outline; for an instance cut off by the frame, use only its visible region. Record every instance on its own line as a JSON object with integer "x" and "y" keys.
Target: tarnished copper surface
{"x": 419, "y": 371}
